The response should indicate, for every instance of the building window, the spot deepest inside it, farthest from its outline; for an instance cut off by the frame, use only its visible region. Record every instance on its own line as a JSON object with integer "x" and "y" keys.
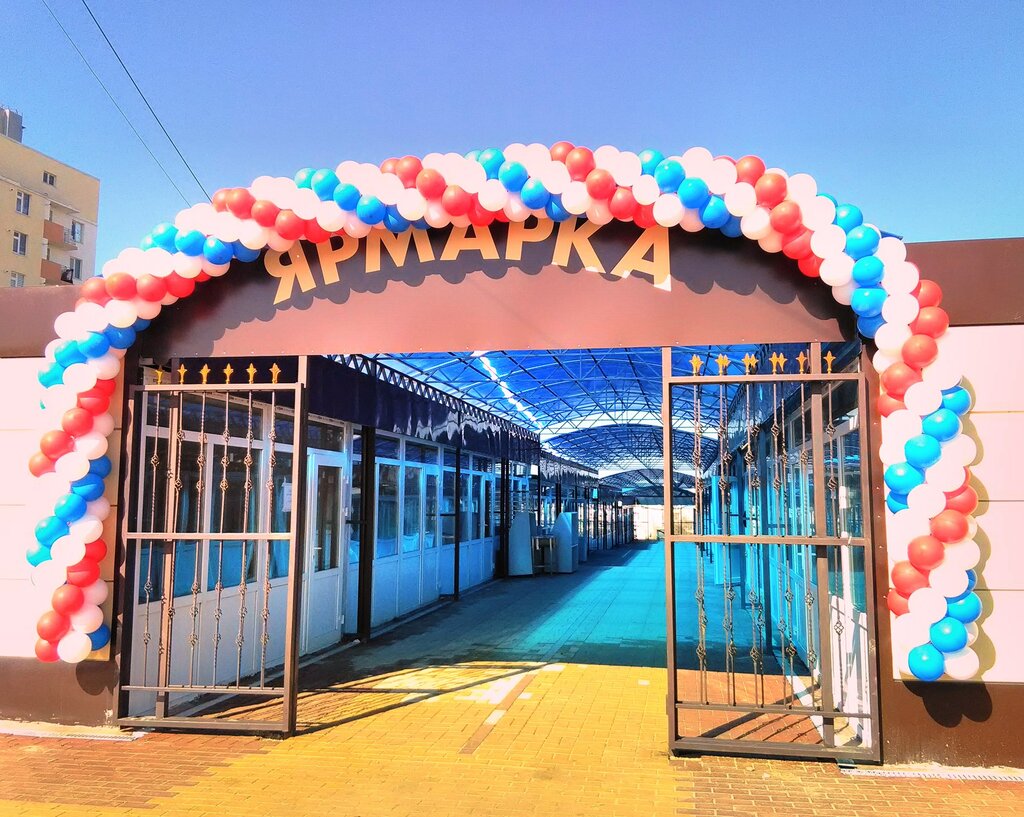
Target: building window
{"x": 76, "y": 269}
{"x": 23, "y": 202}
{"x": 20, "y": 243}
{"x": 77, "y": 231}
{"x": 49, "y": 178}
{"x": 17, "y": 279}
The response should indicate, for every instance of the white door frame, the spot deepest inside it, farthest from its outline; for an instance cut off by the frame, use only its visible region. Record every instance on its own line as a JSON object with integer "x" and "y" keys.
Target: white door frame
{"x": 336, "y": 575}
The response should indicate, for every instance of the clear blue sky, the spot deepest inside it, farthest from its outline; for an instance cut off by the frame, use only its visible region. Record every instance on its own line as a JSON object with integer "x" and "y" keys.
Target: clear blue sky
{"x": 911, "y": 110}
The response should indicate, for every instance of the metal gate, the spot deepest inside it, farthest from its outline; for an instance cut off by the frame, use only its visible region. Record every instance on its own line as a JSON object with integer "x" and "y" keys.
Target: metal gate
{"x": 771, "y": 631}
{"x": 213, "y": 550}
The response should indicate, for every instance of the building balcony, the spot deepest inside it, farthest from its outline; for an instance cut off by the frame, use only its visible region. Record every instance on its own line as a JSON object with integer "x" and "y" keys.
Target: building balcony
{"x": 52, "y": 272}
{"x": 57, "y": 235}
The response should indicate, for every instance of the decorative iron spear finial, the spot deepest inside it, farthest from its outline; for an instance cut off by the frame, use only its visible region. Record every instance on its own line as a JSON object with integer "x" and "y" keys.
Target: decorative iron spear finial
{"x": 251, "y": 371}
{"x": 723, "y": 363}
{"x": 204, "y": 373}
{"x": 182, "y": 371}
{"x": 749, "y": 363}
{"x": 275, "y": 370}
{"x": 802, "y": 359}
{"x": 695, "y": 364}
{"x": 829, "y": 359}
{"x": 228, "y": 371}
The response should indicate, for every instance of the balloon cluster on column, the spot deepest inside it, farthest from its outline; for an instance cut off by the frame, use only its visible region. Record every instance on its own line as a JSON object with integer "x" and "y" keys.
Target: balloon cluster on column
{"x": 927, "y": 456}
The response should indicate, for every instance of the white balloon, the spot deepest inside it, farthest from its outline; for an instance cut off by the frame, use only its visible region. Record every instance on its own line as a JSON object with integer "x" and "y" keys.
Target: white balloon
{"x": 928, "y": 603}
{"x": 961, "y": 449}
{"x": 906, "y": 524}
{"x": 356, "y": 227}
{"x": 720, "y": 176}
{"x": 80, "y": 377}
{"x": 103, "y": 424}
{"x": 891, "y": 250}
{"x": 99, "y": 507}
{"x": 837, "y": 270}
{"x": 756, "y": 224}
{"x": 922, "y": 398}
{"x": 697, "y": 162}
{"x": 189, "y": 266}
{"x": 771, "y": 242}
{"x": 902, "y": 424}
{"x": 828, "y": 241}
{"x": 965, "y": 555}
{"x": 436, "y": 215}
{"x": 646, "y": 190}
{"x": 891, "y": 452}
{"x": 91, "y": 315}
{"x": 555, "y": 176}
{"x": 949, "y": 579}
{"x": 96, "y": 593}
{"x": 493, "y": 196}
{"x": 575, "y": 199}
{"x": 626, "y": 170}
{"x": 329, "y": 216}
{"x": 900, "y": 278}
{"x": 801, "y": 187}
{"x": 900, "y": 308}
{"x": 47, "y": 577}
{"x": 741, "y": 199}
{"x": 514, "y": 209}
{"x": 106, "y": 366}
{"x": 87, "y": 618}
{"x": 67, "y": 551}
{"x": 910, "y": 630}
{"x": 843, "y": 294}
{"x": 93, "y": 445}
{"x": 818, "y": 213}
{"x": 962, "y": 665}
{"x": 944, "y": 372}
{"x": 927, "y": 500}
{"x": 972, "y": 527}
{"x": 890, "y": 338}
{"x": 121, "y": 314}
{"x": 411, "y": 204}
{"x": 87, "y": 529}
{"x": 74, "y": 647}
{"x": 605, "y": 156}
{"x": 972, "y": 632}
{"x": 599, "y": 212}
{"x": 668, "y": 210}
{"x": 946, "y": 475}
{"x": 68, "y": 326}
{"x": 691, "y": 221}
{"x": 73, "y": 465}
{"x": 390, "y": 188}
{"x": 880, "y": 360}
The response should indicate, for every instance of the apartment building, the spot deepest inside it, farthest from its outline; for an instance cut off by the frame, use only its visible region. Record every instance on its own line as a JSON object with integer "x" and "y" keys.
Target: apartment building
{"x": 48, "y": 214}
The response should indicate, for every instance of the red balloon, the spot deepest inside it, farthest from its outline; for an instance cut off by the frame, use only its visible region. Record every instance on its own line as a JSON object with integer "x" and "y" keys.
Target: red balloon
{"x": 83, "y": 573}
{"x": 407, "y": 169}
{"x": 202, "y": 277}
{"x": 76, "y": 422}
{"x": 920, "y": 350}
{"x": 94, "y": 290}
{"x": 749, "y": 169}
{"x": 264, "y": 213}
{"x": 906, "y": 578}
{"x": 579, "y": 162}
{"x": 67, "y": 599}
{"x": 389, "y": 165}
{"x": 456, "y": 200}
{"x": 950, "y": 527}
{"x": 931, "y": 320}
{"x": 926, "y": 552}
{"x": 107, "y": 387}
{"x": 94, "y": 401}
{"x": 928, "y": 293}
{"x": 39, "y": 464}
{"x": 501, "y": 216}
{"x": 151, "y": 288}
{"x": 786, "y": 217}
{"x": 220, "y": 200}
{"x": 46, "y": 651}
{"x": 240, "y": 202}
{"x": 52, "y": 626}
{"x": 810, "y": 265}
{"x": 898, "y": 603}
{"x": 600, "y": 184}
{"x": 315, "y": 233}
{"x": 898, "y": 378}
{"x": 479, "y": 216}
{"x": 797, "y": 245}
{"x": 430, "y": 183}
{"x": 622, "y": 204}
{"x": 289, "y": 225}
{"x": 56, "y": 443}
{"x": 887, "y": 404}
{"x": 770, "y": 189}
{"x": 644, "y": 216}
{"x": 178, "y": 286}
{"x": 560, "y": 150}
{"x": 121, "y": 285}
{"x": 964, "y": 500}
{"x": 96, "y": 550}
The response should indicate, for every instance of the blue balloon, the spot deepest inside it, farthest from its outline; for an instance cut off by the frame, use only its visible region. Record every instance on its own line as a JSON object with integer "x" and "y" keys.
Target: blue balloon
{"x": 669, "y": 174}
{"x": 861, "y": 241}
{"x": 513, "y": 175}
{"x": 304, "y": 178}
{"x": 966, "y": 609}
{"x": 346, "y": 196}
{"x": 731, "y": 228}
{"x": 942, "y": 424}
{"x": 649, "y": 161}
{"x": 867, "y": 271}
{"x": 147, "y": 243}
{"x": 555, "y": 210}
{"x": 957, "y": 400}
{"x": 473, "y": 155}
{"x": 922, "y": 451}
{"x": 49, "y": 530}
{"x": 948, "y": 635}
{"x": 323, "y": 183}
{"x": 831, "y": 198}
{"x": 492, "y": 159}
{"x": 100, "y": 637}
{"x": 715, "y": 214}
{"x": 694, "y": 193}
{"x": 163, "y": 236}
{"x": 243, "y": 253}
{"x": 52, "y": 375}
{"x": 140, "y": 324}
{"x": 89, "y": 487}
{"x": 848, "y": 216}
{"x": 216, "y": 251}
{"x": 94, "y": 345}
{"x": 868, "y": 325}
{"x": 896, "y": 502}
{"x": 101, "y": 466}
{"x": 902, "y": 477}
{"x": 868, "y": 301}
{"x": 370, "y": 210}
{"x": 68, "y": 353}
{"x": 421, "y": 224}
{"x": 972, "y": 582}
{"x": 120, "y": 338}
{"x": 69, "y": 508}
{"x": 534, "y": 194}
{"x": 926, "y": 663}
{"x": 394, "y": 220}
{"x": 190, "y": 243}
{"x": 37, "y": 554}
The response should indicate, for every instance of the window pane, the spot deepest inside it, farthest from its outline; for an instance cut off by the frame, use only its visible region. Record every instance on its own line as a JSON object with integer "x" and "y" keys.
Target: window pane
{"x": 466, "y": 507}
{"x": 411, "y": 508}
{"x": 281, "y": 513}
{"x": 355, "y": 512}
{"x": 387, "y": 447}
{"x": 430, "y": 523}
{"x": 477, "y": 500}
{"x": 414, "y": 452}
{"x": 387, "y": 511}
{"x": 325, "y": 436}
{"x": 448, "y": 508}
{"x": 327, "y": 526}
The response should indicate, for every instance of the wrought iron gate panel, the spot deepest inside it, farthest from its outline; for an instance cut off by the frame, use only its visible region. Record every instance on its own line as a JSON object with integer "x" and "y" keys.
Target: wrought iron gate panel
{"x": 771, "y": 632}
{"x": 213, "y": 548}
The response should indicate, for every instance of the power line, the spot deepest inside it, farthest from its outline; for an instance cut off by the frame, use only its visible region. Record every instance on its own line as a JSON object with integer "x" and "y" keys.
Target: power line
{"x": 137, "y": 88}
{"x": 120, "y": 110}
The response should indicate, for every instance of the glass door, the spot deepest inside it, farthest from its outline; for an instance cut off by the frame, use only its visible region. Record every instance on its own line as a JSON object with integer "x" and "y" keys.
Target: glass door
{"x": 326, "y": 545}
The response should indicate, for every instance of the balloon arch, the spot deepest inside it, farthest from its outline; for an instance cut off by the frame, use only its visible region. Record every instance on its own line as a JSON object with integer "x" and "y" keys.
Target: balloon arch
{"x": 931, "y": 527}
